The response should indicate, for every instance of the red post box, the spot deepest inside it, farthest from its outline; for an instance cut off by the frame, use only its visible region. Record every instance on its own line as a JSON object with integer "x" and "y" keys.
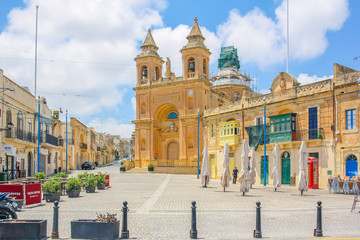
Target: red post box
{"x": 313, "y": 172}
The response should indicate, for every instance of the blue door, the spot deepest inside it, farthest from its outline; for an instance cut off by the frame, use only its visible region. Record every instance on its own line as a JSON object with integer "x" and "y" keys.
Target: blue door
{"x": 351, "y": 166}
{"x": 313, "y": 123}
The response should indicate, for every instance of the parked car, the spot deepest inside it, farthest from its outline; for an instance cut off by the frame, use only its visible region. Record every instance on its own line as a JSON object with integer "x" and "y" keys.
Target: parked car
{"x": 87, "y": 165}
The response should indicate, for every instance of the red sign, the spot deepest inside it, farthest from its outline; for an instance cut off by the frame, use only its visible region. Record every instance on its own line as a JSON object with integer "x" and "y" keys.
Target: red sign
{"x": 33, "y": 193}
{"x": 107, "y": 181}
{"x": 15, "y": 190}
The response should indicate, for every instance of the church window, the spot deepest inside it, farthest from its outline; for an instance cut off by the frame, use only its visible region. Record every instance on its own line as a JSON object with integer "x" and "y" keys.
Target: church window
{"x": 204, "y": 66}
{"x": 191, "y": 65}
{"x": 144, "y": 72}
{"x": 157, "y": 73}
{"x": 172, "y": 115}
{"x": 143, "y": 144}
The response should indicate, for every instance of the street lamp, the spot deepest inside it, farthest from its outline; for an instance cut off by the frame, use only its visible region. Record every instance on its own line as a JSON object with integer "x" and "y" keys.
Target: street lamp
{"x": 198, "y": 142}
{"x": 9, "y": 126}
{"x": 264, "y": 99}
{"x": 66, "y": 167}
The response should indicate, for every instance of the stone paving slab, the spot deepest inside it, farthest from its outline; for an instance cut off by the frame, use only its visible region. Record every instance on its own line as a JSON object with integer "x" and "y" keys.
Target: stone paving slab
{"x": 160, "y": 208}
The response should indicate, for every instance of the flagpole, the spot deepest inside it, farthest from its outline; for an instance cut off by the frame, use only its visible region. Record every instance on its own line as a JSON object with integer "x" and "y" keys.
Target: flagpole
{"x": 36, "y": 30}
{"x": 287, "y": 35}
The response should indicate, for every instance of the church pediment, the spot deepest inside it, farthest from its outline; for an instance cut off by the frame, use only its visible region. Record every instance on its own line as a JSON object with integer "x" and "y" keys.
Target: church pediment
{"x": 283, "y": 82}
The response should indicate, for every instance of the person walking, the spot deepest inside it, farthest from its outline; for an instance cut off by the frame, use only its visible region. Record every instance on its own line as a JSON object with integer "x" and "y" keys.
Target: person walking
{"x": 235, "y": 173}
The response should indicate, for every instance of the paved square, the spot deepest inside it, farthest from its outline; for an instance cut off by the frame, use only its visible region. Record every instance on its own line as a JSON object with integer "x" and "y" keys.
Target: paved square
{"x": 160, "y": 208}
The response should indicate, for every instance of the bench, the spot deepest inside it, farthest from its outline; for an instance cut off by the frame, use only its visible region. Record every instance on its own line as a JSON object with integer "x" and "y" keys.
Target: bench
{"x": 356, "y": 199}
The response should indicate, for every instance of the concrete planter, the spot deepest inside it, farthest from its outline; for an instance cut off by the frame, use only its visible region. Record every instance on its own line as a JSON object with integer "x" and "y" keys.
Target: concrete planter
{"x": 150, "y": 169}
{"x": 52, "y": 197}
{"x": 90, "y": 189}
{"x": 73, "y": 193}
{"x": 22, "y": 229}
{"x": 90, "y": 229}
{"x": 101, "y": 186}
{"x": 122, "y": 169}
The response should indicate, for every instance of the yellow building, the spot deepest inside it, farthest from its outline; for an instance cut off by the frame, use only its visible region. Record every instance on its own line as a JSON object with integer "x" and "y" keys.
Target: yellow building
{"x": 324, "y": 114}
{"x": 167, "y": 108}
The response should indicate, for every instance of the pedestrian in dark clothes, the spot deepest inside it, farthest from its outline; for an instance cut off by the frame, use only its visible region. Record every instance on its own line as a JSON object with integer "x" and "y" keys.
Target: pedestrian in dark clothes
{"x": 235, "y": 172}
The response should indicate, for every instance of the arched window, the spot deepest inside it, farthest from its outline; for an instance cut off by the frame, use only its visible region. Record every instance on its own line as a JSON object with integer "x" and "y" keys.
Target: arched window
{"x": 20, "y": 121}
{"x": 191, "y": 65}
{"x": 157, "y": 73}
{"x": 172, "y": 115}
{"x": 204, "y": 66}
{"x": 8, "y": 120}
{"x": 144, "y": 72}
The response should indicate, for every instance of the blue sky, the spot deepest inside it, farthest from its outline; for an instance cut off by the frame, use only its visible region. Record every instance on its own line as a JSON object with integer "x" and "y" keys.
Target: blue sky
{"x": 86, "y": 47}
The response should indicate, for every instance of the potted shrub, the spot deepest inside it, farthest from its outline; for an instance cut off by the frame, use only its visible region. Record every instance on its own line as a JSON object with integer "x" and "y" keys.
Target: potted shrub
{"x": 150, "y": 167}
{"x": 105, "y": 226}
{"x": 22, "y": 229}
{"x": 73, "y": 187}
{"x": 101, "y": 181}
{"x": 90, "y": 183}
{"x": 96, "y": 163}
{"x": 123, "y": 168}
{"x": 40, "y": 175}
{"x": 52, "y": 190}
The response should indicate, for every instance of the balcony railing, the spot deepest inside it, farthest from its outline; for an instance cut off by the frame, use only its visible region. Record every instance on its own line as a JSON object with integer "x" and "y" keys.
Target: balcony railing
{"x": 50, "y": 139}
{"x": 21, "y": 135}
{"x": 83, "y": 146}
{"x": 310, "y": 134}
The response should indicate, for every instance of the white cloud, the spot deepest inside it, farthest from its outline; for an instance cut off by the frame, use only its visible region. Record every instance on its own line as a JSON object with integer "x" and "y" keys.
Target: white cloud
{"x": 112, "y": 126}
{"x": 304, "y": 78}
{"x": 133, "y": 103}
{"x": 84, "y": 49}
{"x": 262, "y": 40}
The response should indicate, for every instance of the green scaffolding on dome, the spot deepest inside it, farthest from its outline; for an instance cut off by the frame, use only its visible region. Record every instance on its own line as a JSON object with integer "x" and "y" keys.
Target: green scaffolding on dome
{"x": 228, "y": 58}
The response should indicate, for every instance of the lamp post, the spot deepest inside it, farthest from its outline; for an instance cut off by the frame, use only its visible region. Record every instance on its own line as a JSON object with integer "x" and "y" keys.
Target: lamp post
{"x": 264, "y": 99}
{"x": 198, "y": 161}
{"x": 9, "y": 127}
{"x": 38, "y": 134}
{"x": 66, "y": 167}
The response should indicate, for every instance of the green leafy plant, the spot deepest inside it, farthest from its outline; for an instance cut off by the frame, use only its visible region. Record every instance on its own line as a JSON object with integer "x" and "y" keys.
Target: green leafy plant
{"x": 61, "y": 175}
{"x": 96, "y": 163}
{"x": 73, "y": 184}
{"x": 52, "y": 186}
{"x": 123, "y": 166}
{"x": 101, "y": 178}
{"x": 150, "y": 166}
{"x": 90, "y": 181}
{"x": 108, "y": 217}
{"x": 40, "y": 175}
{"x": 83, "y": 175}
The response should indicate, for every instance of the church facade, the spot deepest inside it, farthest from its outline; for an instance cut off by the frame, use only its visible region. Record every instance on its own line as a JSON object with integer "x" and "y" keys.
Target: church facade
{"x": 168, "y": 108}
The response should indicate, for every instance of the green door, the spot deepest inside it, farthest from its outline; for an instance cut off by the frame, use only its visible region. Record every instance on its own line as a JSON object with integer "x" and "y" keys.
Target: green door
{"x": 285, "y": 170}
{"x": 262, "y": 170}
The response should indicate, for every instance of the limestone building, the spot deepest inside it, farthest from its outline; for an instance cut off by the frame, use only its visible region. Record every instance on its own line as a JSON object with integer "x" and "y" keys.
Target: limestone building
{"x": 167, "y": 108}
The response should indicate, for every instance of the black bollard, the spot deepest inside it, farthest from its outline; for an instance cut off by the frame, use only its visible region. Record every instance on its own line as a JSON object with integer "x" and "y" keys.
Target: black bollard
{"x": 124, "y": 230}
{"x": 318, "y": 231}
{"x": 193, "y": 231}
{"x": 55, "y": 230}
{"x": 257, "y": 231}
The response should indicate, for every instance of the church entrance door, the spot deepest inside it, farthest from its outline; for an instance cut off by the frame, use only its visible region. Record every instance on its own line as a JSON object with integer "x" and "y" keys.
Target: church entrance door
{"x": 172, "y": 152}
